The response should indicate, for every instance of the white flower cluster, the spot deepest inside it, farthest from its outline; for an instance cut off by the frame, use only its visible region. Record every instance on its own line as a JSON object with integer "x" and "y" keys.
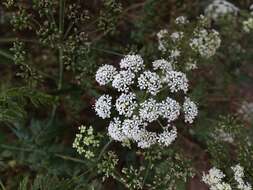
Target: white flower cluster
{"x": 246, "y": 111}
{"x": 103, "y": 106}
{"x": 190, "y": 110}
{"x": 205, "y": 42}
{"x": 139, "y": 105}
{"x": 215, "y": 179}
{"x": 105, "y": 74}
{"x": 239, "y": 175}
{"x": 220, "y": 8}
{"x": 175, "y": 36}
{"x": 181, "y": 20}
{"x": 202, "y": 40}
{"x": 161, "y": 35}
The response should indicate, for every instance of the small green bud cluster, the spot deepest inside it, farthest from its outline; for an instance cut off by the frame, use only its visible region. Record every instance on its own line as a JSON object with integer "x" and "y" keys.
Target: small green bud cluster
{"x": 85, "y": 141}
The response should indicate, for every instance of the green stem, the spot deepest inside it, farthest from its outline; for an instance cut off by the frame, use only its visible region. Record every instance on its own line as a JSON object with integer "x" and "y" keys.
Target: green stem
{"x": 60, "y": 52}
{"x": 6, "y": 55}
{"x": 2, "y": 185}
{"x": 108, "y": 51}
{"x": 104, "y": 149}
{"x": 146, "y": 174}
{"x": 14, "y": 39}
{"x": 64, "y": 157}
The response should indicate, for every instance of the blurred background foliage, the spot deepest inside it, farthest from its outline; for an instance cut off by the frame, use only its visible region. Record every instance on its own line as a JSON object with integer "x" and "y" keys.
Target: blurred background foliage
{"x": 49, "y": 52}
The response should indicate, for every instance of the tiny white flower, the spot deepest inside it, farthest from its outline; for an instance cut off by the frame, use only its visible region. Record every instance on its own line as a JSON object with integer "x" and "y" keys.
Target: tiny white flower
{"x": 126, "y": 103}
{"x": 162, "y": 64}
{"x": 213, "y": 177}
{"x": 132, "y": 62}
{"x": 190, "y": 110}
{"x": 105, "y": 74}
{"x": 169, "y": 109}
{"x": 115, "y": 130}
{"x": 123, "y": 80}
{"x": 220, "y": 8}
{"x": 181, "y": 20}
{"x": 149, "y": 110}
{"x": 175, "y": 36}
{"x": 167, "y": 136}
{"x": 174, "y": 54}
{"x": 150, "y": 81}
{"x": 176, "y": 81}
{"x": 132, "y": 128}
{"x": 147, "y": 139}
{"x": 161, "y": 35}
{"x": 239, "y": 175}
{"x": 103, "y": 106}
{"x": 205, "y": 42}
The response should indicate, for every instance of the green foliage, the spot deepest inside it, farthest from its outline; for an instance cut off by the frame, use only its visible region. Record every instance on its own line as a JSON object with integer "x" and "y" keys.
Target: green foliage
{"x": 48, "y": 90}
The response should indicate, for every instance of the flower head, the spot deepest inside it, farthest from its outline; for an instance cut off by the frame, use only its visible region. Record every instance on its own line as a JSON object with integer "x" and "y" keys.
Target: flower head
{"x": 149, "y": 110}
{"x": 105, "y": 74}
{"x": 167, "y": 136}
{"x": 220, "y": 8}
{"x": 132, "y": 62}
{"x": 163, "y": 65}
{"x": 190, "y": 110}
{"x": 176, "y": 81}
{"x": 103, "y": 106}
{"x": 115, "y": 130}
{"x": 150, "y": 81}
{"x": 125, "y": 104}
{"x": 169, "y": 109}
{"x": 123, "y": 80}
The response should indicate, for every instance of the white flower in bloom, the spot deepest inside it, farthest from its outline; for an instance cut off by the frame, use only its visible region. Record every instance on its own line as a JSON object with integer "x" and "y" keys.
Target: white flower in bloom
{"x": 221, "y": 186}
{"x": 246, "y": 111}
{"x": 134, "y": 113}
{"x": 174, "y": 53}
{"x": 150, "y": 81}
{"x": 103, "y": 106}
{"x": 181, "y": 20}
{"x": 125, "y": 104}
{"x": 220, "y": 8}
{"x": 223, "y": 136}
{"x": 169, "y": 109}
{"x": 123, "y": 80}
{"x": 176, "y": 81}
{"x": 161, "y": 39}
{"x": 190, "y": 110}
{"x": 175, "y": 36}
{"x": 214, "y": 177}
{"x": 147, "y": 139}
{"x": 167, "y": 136}
{"x": 205, "y": 43}
{"x": 149, "y": 110}
{"x": 115, "y": 130}
{"x": 163, "y": 65}
{"x": 191, "y": 64}
{"x": 105, "y": 74}
{"x": 239, "y": 175}
{"x": 132, "y": 128}
{"x": 132, "y": 62}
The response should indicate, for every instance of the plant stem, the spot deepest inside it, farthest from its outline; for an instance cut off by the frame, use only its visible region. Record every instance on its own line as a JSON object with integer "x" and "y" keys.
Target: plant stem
{"x": 108, "y": 51}
{"x": 64, "y": 157}
{"x": 104, "y": 149}
{"x": 60, "y": 53}
{"x": 6, "y": 55}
